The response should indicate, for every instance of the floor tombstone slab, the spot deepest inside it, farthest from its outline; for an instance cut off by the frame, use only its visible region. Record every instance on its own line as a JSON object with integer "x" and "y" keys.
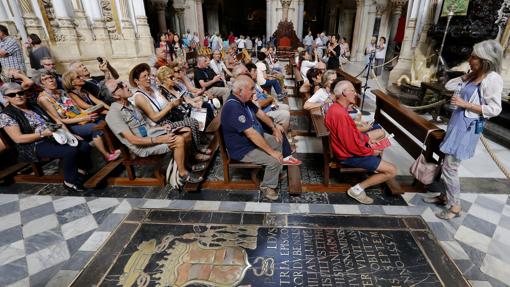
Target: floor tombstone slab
{"x": 306, "y": 250}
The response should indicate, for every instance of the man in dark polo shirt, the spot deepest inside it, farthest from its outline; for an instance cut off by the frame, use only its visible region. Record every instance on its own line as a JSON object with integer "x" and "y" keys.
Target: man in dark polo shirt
{"x": 205, "y": 78}
{"x": 245, "y": 139}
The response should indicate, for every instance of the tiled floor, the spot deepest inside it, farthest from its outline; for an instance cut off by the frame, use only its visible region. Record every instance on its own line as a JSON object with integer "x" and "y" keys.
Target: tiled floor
{"x": 47, "y": 240}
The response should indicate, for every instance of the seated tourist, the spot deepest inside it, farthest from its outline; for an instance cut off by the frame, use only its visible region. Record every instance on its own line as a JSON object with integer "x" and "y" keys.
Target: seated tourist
{"x": 177, "y": 87}
{"x": 92, "y": 83}
{"x": 267, "y": 80}
{"x": 73, "y": 84}
{"x": 245, "y": 138}
{"x": 32, "y": 137}
{"x": 312, "y": 84}
{"x": 50, "y": 65}
{"x": 308, "y": 61}
{"x": 351, "y": 147}
{"x": 129, "y": 126}
{"x": 279, "y": 112}
{"x": 217, "y": 65}
{"x": 161, "y": 58}
{"x": 323, "y": 94}
{"x": 159, "y": 110}
{"x": 63, "y": 110}
{"x": 207, "y": 79}
{"x": 272, "y": 60}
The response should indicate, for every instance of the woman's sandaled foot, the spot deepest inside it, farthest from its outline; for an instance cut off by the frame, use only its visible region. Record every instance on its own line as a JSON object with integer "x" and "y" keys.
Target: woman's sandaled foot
{"x": 189, "y": 178}
{"x": 198, "y": 167}
{"x": 206, "y": 151}
{"x": 447, "y": 214}
{"x": 202, "y": 157}
{"x": 439, "y": 200}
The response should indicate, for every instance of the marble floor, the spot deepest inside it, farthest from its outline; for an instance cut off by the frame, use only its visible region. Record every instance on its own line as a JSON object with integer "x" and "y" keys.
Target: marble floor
{"x": 47, "y": 236}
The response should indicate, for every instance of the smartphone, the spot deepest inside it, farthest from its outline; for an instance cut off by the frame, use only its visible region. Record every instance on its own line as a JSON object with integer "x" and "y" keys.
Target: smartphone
{"x": 100, "y": 60}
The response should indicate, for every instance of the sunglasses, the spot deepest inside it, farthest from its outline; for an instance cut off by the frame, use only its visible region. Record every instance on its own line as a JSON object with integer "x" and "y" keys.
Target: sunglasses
{"x": 12, "y": 95}
{"x": 120, "y": 85}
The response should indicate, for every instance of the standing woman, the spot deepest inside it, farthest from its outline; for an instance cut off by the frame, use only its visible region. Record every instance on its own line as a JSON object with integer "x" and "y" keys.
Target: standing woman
{"x": 480, "y": 99}
{"x": 380, "y": 53}
{"x": 36, "y": 51}
{"x": 179, "y": 52}
{"x": 333, "y": 54}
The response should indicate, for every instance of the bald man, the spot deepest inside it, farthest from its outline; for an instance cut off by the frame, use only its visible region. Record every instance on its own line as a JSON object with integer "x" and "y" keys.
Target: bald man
{"x": 245, "y": 138}
{"x": 352, "y": 147}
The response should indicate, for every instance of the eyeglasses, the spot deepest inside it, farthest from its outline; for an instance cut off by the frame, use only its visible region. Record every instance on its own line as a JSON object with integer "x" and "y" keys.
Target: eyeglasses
{"x": 12, "y": 95}
{"x": 120, "y": 85}
{"x": 49, "y": 64}
{"x": 177, "y": 71}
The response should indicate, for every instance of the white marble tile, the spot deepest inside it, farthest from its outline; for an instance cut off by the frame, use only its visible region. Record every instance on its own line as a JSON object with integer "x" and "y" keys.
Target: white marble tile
{"x": 472, "y": 238}
{"x": 102, "y": 204}
{"x": 21, "y": 283}
{"x": 207, "y": 205}
{"x": 33, "y": 201}
{"x": 346, "y": 209}
{"x": 66, "y": 202}
{"x": 39, "y": 225}
{"x": 79, "y": 226}
{"x": 476, "y": 283}
{"x": 63, "y": 278}
{"x": 485, "y": 213}
{"x": 454, "y": 250}
{"x": 399, "y": 157}
{"x": 396, "y": 210}
{"x": 429, "y": 216}
{"x": 506, "y": 210}
{"x": 308, "y": 144}
{"x": 156, "y": 203}
{"x": 502, "y": 235}
{"x": 408, "y": 196}
{"x": 124, "y": 207}
{"x": 496, "y": 268}
{"x": 500, "y": 198}
{"x": 95, "y": 241}
{"x": 6, "y": 198}
{"x": 258, "y": 206}
{"x": 299, "y": 208}
{"x": 47, "y": 257}
{"x": 470, "y": 197}
{"x": 10, "y": 220}
{"x": 12, "y": 252}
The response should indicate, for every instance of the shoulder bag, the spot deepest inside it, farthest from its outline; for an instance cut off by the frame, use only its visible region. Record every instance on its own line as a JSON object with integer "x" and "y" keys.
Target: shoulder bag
{"x": 422, "y": 170}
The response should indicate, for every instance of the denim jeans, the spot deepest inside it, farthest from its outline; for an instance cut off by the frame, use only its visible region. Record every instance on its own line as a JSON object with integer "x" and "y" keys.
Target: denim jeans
{"x": 273, "y": 83}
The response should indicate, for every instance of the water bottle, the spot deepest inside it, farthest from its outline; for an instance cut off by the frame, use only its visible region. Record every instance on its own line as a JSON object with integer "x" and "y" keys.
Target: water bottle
{"x": 456, "y": 93}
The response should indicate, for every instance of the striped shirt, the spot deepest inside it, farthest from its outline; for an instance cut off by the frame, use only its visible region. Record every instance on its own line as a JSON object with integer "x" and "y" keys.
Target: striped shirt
{"x": 14, "y": 57}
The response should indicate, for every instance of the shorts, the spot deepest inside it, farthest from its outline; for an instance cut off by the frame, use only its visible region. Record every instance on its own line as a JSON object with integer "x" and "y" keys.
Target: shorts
{"x": 151, "y": 150}
{"x": 370, "y": 163}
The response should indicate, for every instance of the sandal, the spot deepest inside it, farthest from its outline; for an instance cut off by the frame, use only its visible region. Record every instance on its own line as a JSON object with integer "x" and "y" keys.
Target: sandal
{"x": 447, "y": 214}
{"x": 202, "y": 157}
{"x": 439, "y": 200}
{"x": 189, "y": 178}
{"x": 198, "y": 167}
{"x": 205, "y": 151}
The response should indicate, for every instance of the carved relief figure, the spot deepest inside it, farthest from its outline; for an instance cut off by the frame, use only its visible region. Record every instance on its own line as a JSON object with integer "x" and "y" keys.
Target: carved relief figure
{"x": 106, "y": 7}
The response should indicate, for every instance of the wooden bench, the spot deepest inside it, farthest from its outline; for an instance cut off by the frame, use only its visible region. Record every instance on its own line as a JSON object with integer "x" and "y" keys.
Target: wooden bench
{"x": 296, "y": 73}
{"x": 129, "y": 161}
{"x": 394, "y": 118}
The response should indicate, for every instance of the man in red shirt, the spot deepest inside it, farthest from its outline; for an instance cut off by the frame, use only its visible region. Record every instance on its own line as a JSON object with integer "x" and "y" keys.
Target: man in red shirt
{"x": 351, "y": 147}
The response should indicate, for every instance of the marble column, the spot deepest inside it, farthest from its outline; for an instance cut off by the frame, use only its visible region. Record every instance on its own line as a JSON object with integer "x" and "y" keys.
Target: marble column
{"x": 332, "y": 17}
{"x": 179, "y": 14}
{"x": 213, "y": 25}
{"x": 346, "y": 24}
{"x": 128, "y": 30}
{"x": 356, "y": 48}
{"x": 367, "y": 27}
{"x": 300, "y": 18}
{"x": 31, "y": 22}
{"x": 285, "y": 9}
{"x": 160, "y": 7}
{"x": 269, "y": 18}
{"x": 396, "y": 12}
{"x": 199, "y": 19}
{"x": 378, "y": 15}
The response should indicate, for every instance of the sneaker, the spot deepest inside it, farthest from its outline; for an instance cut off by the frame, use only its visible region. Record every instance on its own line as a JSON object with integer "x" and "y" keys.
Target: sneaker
{"x": 290, "y": 160}
{"x": 361, "y": 197}
{"x": 281, "y": 96}
{"x": 269, "y": 193}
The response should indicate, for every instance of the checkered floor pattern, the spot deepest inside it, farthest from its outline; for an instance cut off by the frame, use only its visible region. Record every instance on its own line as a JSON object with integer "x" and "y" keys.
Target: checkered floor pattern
{"x": 47, "y": 240}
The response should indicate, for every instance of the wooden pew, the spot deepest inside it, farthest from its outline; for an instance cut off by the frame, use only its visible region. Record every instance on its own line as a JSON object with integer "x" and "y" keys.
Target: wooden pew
{"x": 298, "y": 79}
{"x": 393, "y": 118}
{"x": 9, "y": 166}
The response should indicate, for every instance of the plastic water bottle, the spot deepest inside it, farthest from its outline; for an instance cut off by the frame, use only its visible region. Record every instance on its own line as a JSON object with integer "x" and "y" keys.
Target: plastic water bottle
{"x": 456, "y": 93}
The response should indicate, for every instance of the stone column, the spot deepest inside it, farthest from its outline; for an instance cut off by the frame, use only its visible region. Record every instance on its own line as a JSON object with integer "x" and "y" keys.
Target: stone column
{"x": 31, "y": 22}
{"x": 144, "y": 40}
{"x": 179, "y": 14}
{"x": 200, "y": 20}
{"x": 212, "y": 18}
{"x": 160, "y": 7}
{"x": 396, "y": 12}
{"x": 300, "y": 18}
{"x": 269, "y": 19}
{"x": 357, "y": 48}
{"x": 332, "y": 17}
{"x": 83, "y": 30}
{"x": 347, "y": 23}
{"x": 285, "y": 9}
{"x": 378, "y": 15}
{"x": 128, "y": 30}
{"x": 367, "y": 28}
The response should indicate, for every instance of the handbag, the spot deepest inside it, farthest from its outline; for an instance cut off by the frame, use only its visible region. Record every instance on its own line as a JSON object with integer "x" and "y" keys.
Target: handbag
{"x": 422, "y": 170}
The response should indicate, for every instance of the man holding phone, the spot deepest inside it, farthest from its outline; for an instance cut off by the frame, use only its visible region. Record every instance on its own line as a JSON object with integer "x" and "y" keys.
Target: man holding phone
{"x": 92, "y": 82}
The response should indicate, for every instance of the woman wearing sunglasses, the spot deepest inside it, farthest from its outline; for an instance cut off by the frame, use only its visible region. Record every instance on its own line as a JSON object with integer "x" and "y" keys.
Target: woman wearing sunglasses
{"x": 73, "y": 84}
{"x": 31, "y": 135}
{"x": 62, "y": 109}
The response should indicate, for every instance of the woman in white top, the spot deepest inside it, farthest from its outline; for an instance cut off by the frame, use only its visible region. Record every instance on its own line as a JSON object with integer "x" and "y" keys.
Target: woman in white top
{"x": 322, "y": 95}
{"x": 380, "y": 53}
{"x": 307, "y": 63}
{"x": 370, "y": 48}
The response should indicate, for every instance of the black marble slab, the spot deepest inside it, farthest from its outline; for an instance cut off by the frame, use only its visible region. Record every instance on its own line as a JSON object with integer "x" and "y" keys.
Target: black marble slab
{"x": 175, "y": 248}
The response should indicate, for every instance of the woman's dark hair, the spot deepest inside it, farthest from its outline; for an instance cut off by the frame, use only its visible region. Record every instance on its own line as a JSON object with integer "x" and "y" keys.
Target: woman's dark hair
{"x": 250, "y": 66}
{"x": 137, "y": 71}
{"x": 261, "y": 56}
{"x": 4, "y": 30}
{"x": 311, "y": 74}
{"x": 35, "y": 39}
{"x": 383, "y": 38}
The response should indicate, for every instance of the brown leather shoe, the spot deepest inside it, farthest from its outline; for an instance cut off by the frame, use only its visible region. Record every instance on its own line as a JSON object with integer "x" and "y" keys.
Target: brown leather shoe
{"x": 269, "y": 193}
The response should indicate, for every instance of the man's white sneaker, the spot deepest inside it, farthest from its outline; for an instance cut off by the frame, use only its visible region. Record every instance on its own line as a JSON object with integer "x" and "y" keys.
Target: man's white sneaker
{"x": 359, "y": 194}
